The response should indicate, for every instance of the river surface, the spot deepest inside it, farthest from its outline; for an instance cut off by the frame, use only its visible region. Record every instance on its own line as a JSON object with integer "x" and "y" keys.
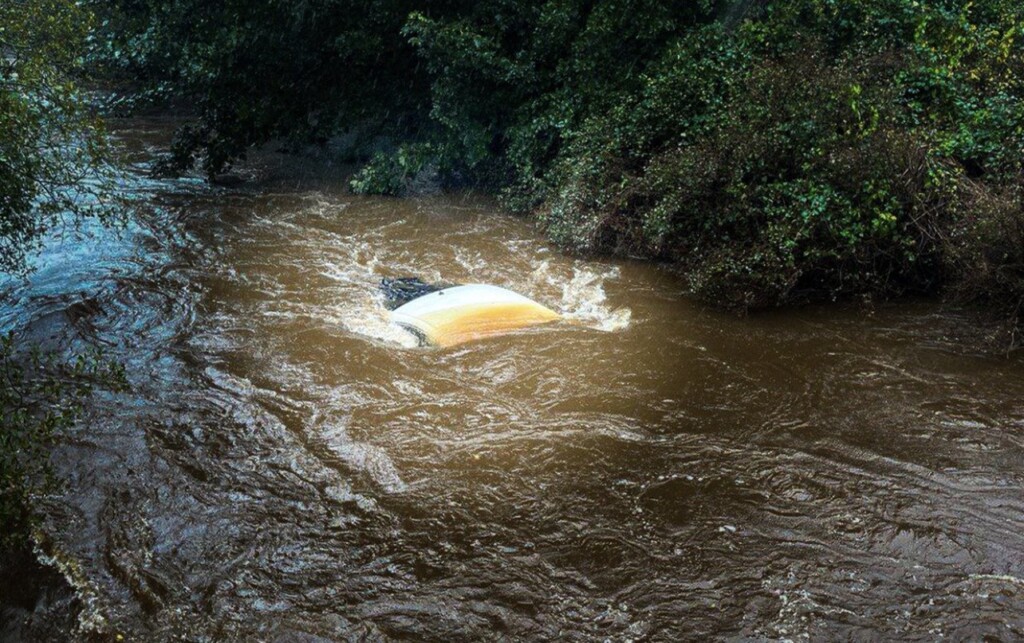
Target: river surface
{"x": 288, "y": 466}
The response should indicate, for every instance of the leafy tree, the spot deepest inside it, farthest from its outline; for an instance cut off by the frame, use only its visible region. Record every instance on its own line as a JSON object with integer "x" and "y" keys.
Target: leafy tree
{"x": 51, "y": 144}
{"x": 267, "y": 70}
{"x": 52, "y": 173}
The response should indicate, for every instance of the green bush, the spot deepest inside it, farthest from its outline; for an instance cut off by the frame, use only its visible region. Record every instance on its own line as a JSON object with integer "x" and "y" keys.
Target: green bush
{"x": 774, "y": 169}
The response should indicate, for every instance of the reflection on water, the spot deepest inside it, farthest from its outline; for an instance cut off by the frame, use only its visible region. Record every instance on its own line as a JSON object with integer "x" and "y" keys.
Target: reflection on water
{"x": 289, "y": 465}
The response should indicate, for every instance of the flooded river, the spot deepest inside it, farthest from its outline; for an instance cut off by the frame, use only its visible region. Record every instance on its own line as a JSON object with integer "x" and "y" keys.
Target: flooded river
{"x": 288, "y": 466}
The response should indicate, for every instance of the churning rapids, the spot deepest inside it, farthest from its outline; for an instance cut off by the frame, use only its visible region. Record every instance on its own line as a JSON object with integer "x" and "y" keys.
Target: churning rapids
{"x": 290, "y": 467}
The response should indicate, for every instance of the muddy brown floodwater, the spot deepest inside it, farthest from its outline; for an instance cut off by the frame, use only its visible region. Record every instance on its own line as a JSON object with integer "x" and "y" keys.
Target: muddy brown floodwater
{"x": 290, "y": 467}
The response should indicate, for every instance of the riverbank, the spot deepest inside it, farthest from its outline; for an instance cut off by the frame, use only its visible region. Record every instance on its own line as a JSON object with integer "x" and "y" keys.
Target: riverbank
{"x": 775, "y": 153}
{"x": 36, "y": 601}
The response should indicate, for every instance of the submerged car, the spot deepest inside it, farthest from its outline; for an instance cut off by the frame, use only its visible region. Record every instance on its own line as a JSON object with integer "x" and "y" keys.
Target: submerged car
{"x": 446, "y": 316}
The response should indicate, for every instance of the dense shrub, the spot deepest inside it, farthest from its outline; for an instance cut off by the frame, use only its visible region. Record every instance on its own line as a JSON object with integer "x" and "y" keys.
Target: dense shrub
{"x": 816, "y": 151}
{"x": 984, "y": 249}
{"x": 776, "y": 188}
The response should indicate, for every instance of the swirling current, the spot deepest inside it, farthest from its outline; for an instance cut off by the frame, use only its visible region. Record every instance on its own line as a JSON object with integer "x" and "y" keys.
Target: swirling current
{"x": 288, "y": 466}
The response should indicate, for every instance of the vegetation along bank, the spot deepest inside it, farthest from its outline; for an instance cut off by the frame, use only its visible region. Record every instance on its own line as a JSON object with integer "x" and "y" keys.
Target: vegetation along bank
{"x": 775, "y": 152}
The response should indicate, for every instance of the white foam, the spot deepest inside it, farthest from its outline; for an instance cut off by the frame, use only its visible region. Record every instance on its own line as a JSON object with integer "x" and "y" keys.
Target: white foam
{"x": 583, "y": 297}
{"x": 356, "y": 263}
